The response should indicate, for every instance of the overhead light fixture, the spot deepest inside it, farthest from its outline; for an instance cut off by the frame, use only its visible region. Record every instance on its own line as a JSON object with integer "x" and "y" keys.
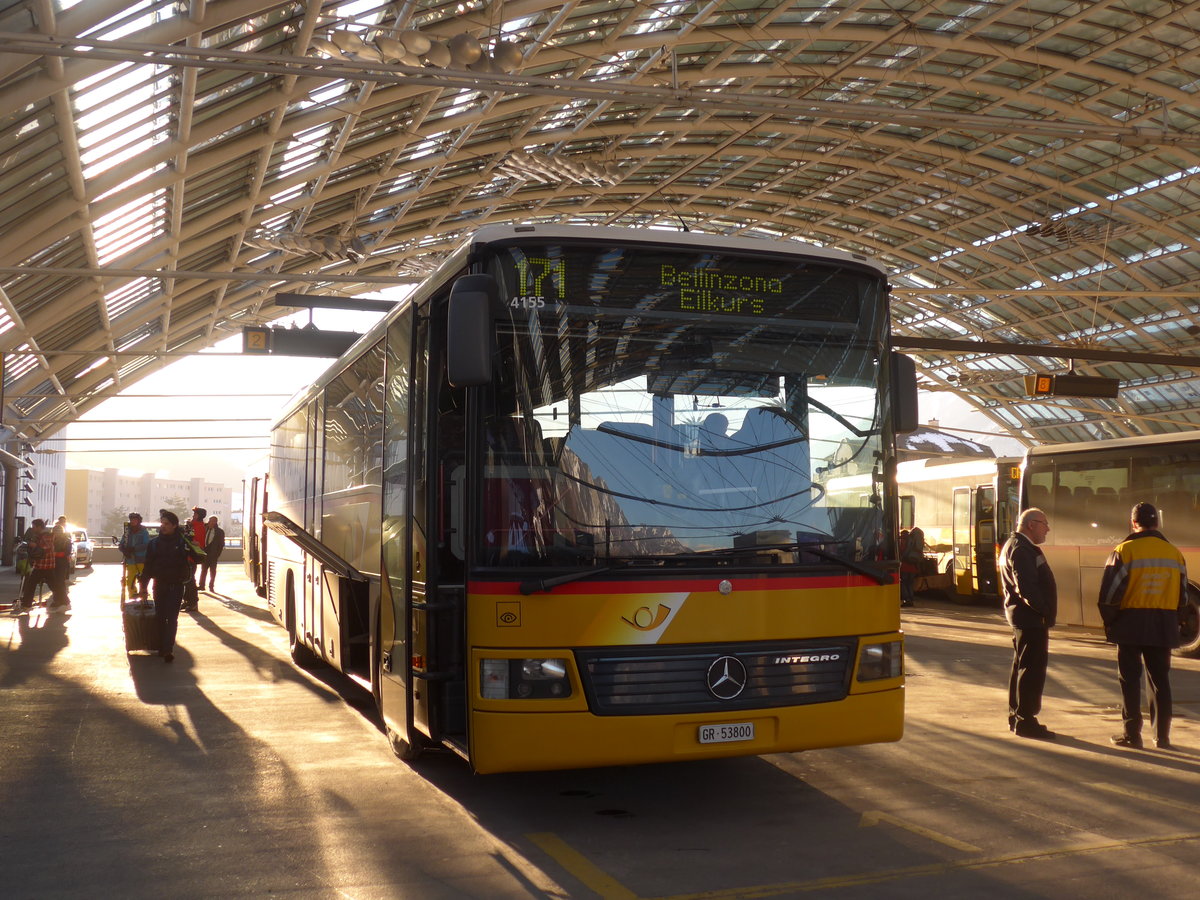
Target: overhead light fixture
{"x": 556, "y": 169}
{"x": 414, "y": 48}
{"x": 328, "y": 246}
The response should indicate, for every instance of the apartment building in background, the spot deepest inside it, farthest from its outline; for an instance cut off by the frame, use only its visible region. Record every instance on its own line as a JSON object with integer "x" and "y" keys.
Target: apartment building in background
{"x": 92, "y": 494}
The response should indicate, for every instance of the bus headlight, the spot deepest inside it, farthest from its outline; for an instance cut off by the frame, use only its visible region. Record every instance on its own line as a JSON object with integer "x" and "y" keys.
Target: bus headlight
{"x": 877, "y": 661}
{"x": 522, "y": 679}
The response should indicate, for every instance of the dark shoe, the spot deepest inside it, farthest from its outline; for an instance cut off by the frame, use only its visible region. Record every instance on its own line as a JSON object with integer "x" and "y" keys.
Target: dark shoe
{"x": 1034, "y": 730}
{"x": 168, "y": 657}
{"x": 907, "y": 603}
{"x": 1131, "y": 741}
{"x": 1164, "y": 744}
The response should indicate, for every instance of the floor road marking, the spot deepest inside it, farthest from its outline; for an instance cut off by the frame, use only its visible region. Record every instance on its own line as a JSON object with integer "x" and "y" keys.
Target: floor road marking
{"x": 933, "y": 869}
{"x": 875, "y": 817}
{"x": 580, "y": 867}
{"x": 609, "y": 888}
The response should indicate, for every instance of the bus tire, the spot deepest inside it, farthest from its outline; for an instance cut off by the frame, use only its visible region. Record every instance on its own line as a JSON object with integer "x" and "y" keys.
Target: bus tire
{"x": 1190, "y": 628}
{"x": 406, "y": 750}
{"x": 301, "y": 655}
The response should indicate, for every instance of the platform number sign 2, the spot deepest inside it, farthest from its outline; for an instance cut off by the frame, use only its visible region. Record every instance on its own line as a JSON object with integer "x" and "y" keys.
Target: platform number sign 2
{"x": 256, "y": 340}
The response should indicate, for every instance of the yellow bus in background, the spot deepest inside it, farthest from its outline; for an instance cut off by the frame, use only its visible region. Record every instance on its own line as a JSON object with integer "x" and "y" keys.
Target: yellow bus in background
{"x": 967, "y": 509}
{"x": 568, "y": 504}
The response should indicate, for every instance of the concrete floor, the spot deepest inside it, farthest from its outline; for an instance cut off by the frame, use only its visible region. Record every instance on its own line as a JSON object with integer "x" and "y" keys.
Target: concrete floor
{"x": 231, "y": 773}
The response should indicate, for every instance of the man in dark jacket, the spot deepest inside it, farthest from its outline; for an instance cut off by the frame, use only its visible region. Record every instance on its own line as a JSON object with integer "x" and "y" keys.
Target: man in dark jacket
{"x": 169, "y": 564}
{"x": 1142, "y": 598}
{"x": 214, "y": 546}
{"x": 1031, "y": 607}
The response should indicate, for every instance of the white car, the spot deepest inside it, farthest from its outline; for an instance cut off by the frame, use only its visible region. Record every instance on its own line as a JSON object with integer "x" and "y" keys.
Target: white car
{"x": 83, "y": 547}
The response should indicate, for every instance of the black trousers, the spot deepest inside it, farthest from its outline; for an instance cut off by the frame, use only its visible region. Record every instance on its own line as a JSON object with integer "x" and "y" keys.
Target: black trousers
{"x": 208, "y": 573}
{"x": 1031, "y": 653}
{"x": 168, "y": 597}
{"x": 1129, "y": 672}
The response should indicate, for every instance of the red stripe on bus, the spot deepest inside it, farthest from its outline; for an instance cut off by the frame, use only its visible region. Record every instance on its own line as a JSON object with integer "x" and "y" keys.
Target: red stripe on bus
{"x": 691, "y": 585}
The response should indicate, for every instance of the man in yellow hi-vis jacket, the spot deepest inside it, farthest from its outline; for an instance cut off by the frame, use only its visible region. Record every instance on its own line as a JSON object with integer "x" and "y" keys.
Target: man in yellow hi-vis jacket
{"x": 1142, "y": 597}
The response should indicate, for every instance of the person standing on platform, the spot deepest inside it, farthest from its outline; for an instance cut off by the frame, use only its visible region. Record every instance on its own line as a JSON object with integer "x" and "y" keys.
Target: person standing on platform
{"x": 170, "y": 565}
{"x": 214, "y": 546}
{"x": 1142, "y": 597}
{"x": 133, "y": 545}
{"x": 1031, "y": 607}
{"x": 912, "y": 554}
{"x": 40, "y": 542}
{"x": 63, "y": 569}
{"x": 196, "y": 532}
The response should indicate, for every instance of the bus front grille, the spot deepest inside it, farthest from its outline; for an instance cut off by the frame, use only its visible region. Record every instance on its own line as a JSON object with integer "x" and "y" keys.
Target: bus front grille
{"x": 707, "y": 678}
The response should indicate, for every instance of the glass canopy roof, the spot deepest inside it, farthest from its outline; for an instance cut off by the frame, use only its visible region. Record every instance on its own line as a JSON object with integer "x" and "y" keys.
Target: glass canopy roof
{"x": 1025, "y": 170}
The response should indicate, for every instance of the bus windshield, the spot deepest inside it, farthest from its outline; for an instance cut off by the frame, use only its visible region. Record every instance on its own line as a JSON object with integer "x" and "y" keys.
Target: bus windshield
{"x": 657, "y": 406}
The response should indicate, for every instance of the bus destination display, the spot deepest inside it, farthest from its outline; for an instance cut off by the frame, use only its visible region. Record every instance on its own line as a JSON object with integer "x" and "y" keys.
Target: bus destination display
{"x": 706, "y": 285}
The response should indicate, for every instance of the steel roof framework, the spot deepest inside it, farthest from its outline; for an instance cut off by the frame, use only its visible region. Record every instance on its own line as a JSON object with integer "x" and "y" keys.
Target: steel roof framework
{"x": 1025, "y": 170}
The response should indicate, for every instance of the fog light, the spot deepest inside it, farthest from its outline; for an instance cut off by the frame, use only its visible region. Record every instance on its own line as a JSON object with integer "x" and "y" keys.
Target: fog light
{"x": 493, "y": 679}
{"x": 877, "y": 661}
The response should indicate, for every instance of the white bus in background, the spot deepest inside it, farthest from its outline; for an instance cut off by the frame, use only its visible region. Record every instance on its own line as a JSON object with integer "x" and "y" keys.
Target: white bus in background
{"x": 1087, "y": 490}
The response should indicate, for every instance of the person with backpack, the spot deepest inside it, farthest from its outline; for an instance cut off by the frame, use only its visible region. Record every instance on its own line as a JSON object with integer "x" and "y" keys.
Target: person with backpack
{"x": 170, "y": 564}
{"x": 912, "y": 554}
{"x": 134, "y": 541}
{"x": 40, "y": 542}
{"x": 63, "y": 569}
{"x": 196, "y": 533}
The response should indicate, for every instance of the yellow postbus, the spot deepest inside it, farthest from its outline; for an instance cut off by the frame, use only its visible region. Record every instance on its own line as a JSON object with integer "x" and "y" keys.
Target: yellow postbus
{"x": 1088, "y": 489}
{"x": 966, "y": 509}
{"x": 567, "y": 505}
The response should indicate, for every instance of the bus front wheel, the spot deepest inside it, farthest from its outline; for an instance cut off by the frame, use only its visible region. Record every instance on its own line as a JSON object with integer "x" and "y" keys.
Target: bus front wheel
{"x": 301, "y": 655}
{"x": 406, "y": 750}
{"x": 1190, "y": 626}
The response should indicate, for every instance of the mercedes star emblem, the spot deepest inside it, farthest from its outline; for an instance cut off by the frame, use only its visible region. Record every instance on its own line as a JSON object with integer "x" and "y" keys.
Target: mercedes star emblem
{"x": 726, "y": 678}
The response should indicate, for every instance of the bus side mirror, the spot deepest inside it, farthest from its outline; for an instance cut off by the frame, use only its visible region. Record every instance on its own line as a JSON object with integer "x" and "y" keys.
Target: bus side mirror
{"x": 470, "y": 330}
{"x": 905, "y": 419}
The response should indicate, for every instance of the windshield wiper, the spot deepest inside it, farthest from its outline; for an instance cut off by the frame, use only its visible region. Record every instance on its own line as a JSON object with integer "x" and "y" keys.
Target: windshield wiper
{"x": 879, "y": 577}
{"x": 853, "y": 565}
{"x": 533, "y": 585}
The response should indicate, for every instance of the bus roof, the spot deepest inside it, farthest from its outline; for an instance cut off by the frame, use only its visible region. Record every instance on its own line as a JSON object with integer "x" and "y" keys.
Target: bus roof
{"x": 494, "y": 233}
{"x": 1178, "y": 437}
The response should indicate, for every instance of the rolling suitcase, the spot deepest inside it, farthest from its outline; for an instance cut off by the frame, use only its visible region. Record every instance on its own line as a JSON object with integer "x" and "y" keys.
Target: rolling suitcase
{"x": 140, "y": 625}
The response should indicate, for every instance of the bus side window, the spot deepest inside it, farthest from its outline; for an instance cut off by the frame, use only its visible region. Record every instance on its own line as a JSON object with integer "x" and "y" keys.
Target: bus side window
{"x": 907, "y": 511}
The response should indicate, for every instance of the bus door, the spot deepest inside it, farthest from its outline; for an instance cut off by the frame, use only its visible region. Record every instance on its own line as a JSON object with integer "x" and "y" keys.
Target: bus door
{"x": 438, "y": 596}
{"x": 250, "y": 511}
{"x": 960, "y": 539}
{"x": 313, "y": 624}
{"x": 984, "y": 533}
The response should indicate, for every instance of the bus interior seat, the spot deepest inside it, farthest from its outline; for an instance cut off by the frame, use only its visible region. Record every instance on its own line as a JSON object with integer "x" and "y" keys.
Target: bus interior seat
{"x": 763, "y": 425}
{"x": 1039, "y": 496}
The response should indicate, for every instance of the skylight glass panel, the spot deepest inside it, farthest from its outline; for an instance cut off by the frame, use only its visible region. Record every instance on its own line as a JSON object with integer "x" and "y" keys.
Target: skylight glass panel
{"x": 130, "y": 295}
{"x": 134, "y": 224}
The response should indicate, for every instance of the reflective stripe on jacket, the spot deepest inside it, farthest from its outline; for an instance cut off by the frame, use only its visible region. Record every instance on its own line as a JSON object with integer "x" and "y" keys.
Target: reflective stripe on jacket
{"x": 1143, "y": 590}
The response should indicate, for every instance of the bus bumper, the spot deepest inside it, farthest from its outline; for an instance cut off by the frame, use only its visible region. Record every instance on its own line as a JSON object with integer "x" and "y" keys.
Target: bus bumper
{"x": 531, "y": 741}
